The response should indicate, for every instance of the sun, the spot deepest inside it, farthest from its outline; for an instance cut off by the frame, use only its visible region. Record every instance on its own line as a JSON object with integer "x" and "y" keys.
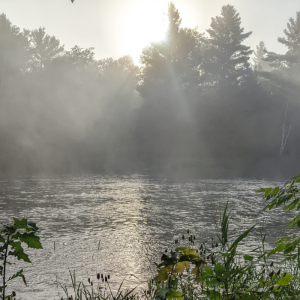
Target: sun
{"x": 146, "y": 23}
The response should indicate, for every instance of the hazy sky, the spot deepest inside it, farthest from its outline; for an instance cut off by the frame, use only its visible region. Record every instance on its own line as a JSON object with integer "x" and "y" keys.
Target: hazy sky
{"x": 119, "y": 27}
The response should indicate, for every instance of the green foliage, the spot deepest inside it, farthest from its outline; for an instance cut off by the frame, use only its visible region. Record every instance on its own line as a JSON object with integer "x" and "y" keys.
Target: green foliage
{"x": 287, "y": 196}
{"x": 226, "y": 60}
{"x": 220, "y": 271}
{"x": 11, "y": 238}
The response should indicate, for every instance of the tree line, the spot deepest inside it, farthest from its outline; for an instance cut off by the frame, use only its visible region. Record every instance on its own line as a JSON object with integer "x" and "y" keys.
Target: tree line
{"x": 197, "y": 103}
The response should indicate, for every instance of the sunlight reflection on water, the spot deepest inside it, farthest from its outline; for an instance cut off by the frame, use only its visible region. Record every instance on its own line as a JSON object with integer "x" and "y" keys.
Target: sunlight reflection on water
{"x": 133, "y": 217}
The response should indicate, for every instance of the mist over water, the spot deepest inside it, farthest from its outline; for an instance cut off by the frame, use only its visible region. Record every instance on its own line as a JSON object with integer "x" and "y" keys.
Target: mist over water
{"x": 201, "y": 120}
{"x": 197, "y": 104}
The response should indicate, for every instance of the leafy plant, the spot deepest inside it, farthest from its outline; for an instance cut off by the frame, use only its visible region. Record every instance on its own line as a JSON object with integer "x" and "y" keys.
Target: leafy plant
{"x": 288, "y": 196}
{"x": 220, "y": 272}
{"x": 11, "y": 238}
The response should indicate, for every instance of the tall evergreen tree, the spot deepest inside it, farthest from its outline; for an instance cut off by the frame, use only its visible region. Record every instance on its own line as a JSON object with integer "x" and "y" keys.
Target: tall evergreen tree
{"x": 171, "y": 63}
{"x": 226, "y": 61}
{"x": 259, "y": 64}
{"x": 168, "y": 74}
{"x": 289, "y": 63}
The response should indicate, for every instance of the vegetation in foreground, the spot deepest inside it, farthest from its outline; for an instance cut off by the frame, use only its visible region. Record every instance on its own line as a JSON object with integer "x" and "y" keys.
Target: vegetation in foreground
{"x": 214, "y": 269}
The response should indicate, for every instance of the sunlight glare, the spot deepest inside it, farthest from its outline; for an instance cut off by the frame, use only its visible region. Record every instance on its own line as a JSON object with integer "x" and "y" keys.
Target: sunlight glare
{"x": 146, "y": 23}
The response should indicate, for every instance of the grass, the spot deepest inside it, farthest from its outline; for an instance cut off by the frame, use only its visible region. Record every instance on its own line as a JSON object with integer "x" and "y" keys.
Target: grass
{"x": 212, "y": 270}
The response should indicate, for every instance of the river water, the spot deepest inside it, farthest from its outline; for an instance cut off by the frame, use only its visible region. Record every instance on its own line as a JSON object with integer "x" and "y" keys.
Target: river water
{"x": 120, "y": 225}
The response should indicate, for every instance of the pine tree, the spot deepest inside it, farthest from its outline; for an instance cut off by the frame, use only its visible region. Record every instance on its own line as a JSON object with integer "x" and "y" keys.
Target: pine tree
{"x": 226, "y": 61}
{"x": 259, "y": 63}
{"x": 172, "y": 62}
{"x": 289, "y": 63}
{"x": 292, "y": 39}
{"x": 168, "y": 74}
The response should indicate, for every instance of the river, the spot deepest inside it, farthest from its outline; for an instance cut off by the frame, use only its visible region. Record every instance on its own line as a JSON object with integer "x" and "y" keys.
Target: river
{"x": 119, "y": 225}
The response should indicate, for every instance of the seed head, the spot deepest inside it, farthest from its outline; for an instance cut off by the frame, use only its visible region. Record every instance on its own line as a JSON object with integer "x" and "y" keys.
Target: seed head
{"x": 278, "y": 272}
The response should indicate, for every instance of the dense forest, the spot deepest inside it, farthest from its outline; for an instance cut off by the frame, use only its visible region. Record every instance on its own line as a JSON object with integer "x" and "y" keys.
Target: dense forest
{"x": 198, "y": 103}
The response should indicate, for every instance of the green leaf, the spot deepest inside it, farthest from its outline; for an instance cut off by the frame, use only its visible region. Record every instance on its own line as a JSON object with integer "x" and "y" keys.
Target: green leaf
{"x": 283, "y": 199}
{"x": 261, "y": 190}
{"x": 248, "y": 257}
{"x": 20, "y": 223}
{"x": 30, "y": 239}
{"x": 214, "y": 295}
{"x": 186, "y": 250}
{"x": 279, "y": 248}
{"x": 249, "y": 297}
{"x": 292, "y": 205}
{"x": 240, "y": 238}
{"x": 275, "y": 191}
{"x": 162, "y": 276}
{"x": 209, "y": 271}
{"x": 219, "y": 269}
{"x": 268, "y": 191}
{"x": 33, "y": 226}
{"x": 285, "y": 280}
{"x": 294, "y": 222}
{"x": 270, "y": 206}
{"x": 174, "y": 295}
{"x": 181, "y": 266}
{"x": 18, "y": 274}
{"x": 20, "y": 255}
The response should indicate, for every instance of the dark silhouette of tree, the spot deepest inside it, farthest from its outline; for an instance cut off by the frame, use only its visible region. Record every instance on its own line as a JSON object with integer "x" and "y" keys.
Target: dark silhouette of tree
{"x": 169, "y": 75}
{"x": 14, "y": 50}
{"x": 288, "y": 63}
{"x": 226, "y": 61}
{"x": 81, "y": 57}
{"x": 285, "y": 76}
{"x": 286, "y": 67}
{"x": 44, "y": 48}
{"x": 173, "y": 61}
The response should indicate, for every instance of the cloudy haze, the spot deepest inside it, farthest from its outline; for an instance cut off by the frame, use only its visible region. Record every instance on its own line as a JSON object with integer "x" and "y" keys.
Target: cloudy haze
{"x": 112, "y": 26}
